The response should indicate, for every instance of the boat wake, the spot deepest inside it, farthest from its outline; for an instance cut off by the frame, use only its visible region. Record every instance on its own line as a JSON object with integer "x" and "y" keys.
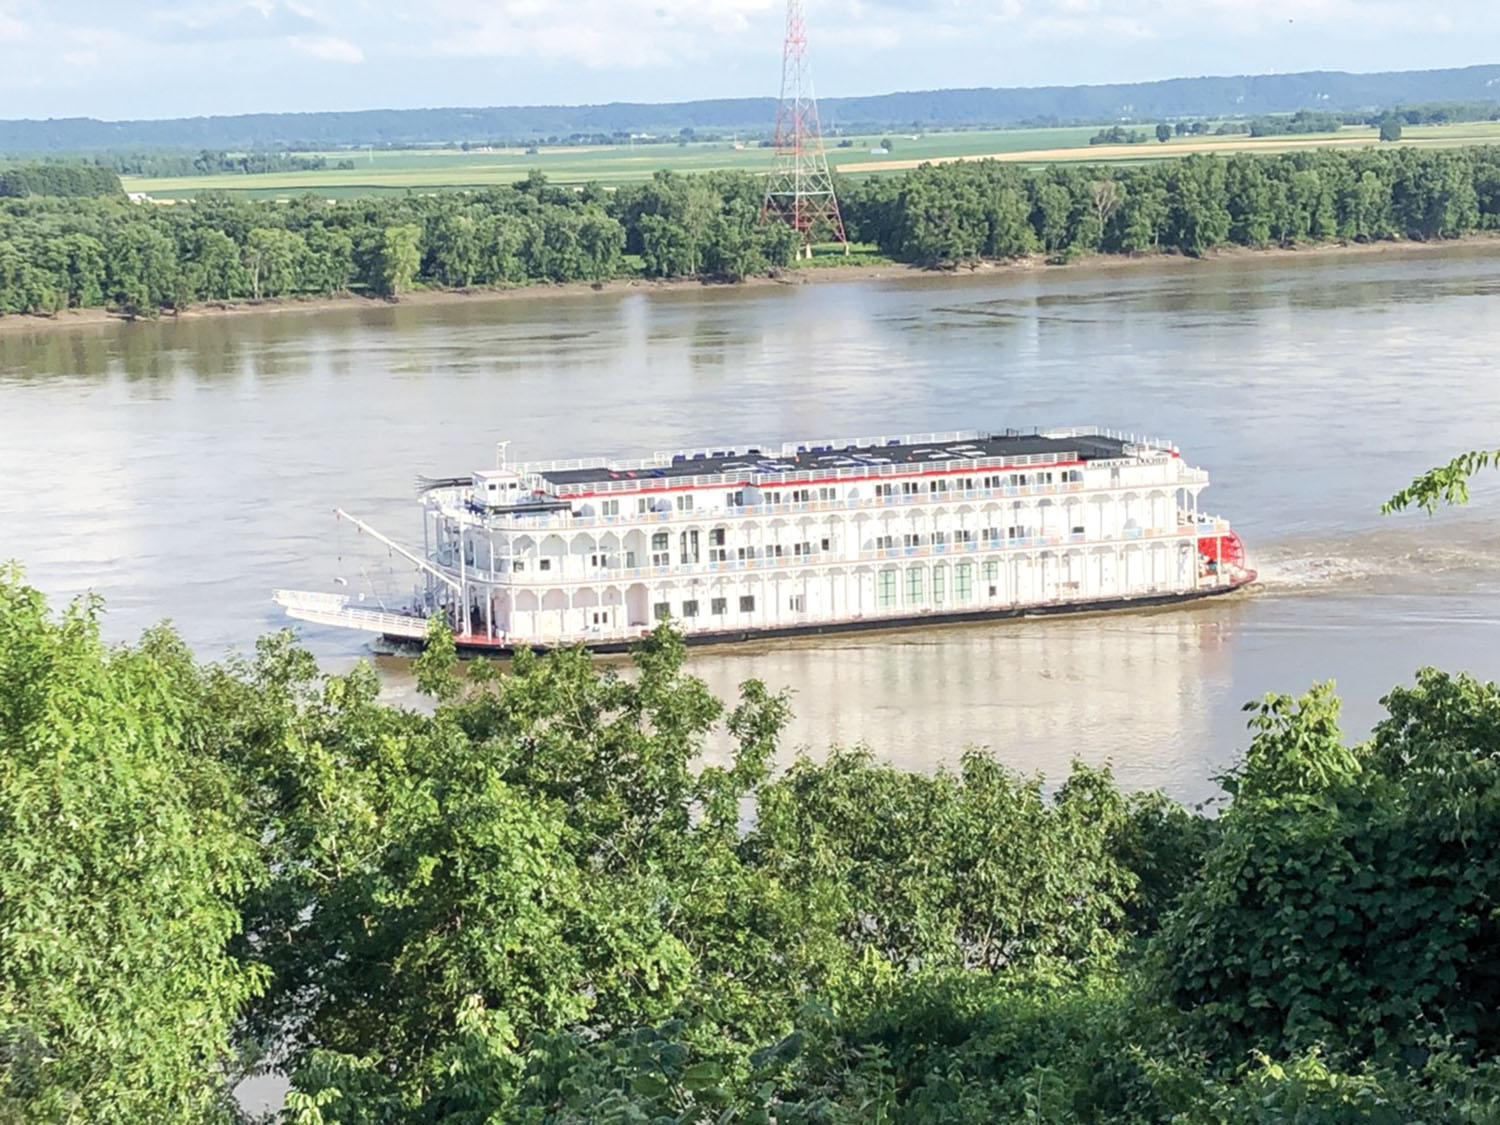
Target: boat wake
{"x": 1426, "y": 558}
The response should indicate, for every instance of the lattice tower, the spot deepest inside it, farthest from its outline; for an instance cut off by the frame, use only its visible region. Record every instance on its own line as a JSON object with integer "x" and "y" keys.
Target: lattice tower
{"x": 799, "y": 189}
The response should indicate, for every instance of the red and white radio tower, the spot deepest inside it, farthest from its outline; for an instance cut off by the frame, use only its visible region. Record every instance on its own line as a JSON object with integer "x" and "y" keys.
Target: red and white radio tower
{"x": 799, "y": 190}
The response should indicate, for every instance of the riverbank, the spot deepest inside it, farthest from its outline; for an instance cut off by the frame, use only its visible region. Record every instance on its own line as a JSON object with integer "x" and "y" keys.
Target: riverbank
{"x": 25, "y": 324}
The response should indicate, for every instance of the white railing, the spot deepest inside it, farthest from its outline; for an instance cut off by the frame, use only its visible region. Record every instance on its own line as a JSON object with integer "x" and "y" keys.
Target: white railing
{"x": 869, "y": 467}
{"x": 452, "y": 504}
{"x": 335, "y": 609}
{"x": 1138, "y": 440}
{"x": 866, "y": 445}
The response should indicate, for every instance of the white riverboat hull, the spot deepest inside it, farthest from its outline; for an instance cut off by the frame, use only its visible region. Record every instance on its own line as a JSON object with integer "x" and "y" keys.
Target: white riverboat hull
{"x": 806, "y": 539}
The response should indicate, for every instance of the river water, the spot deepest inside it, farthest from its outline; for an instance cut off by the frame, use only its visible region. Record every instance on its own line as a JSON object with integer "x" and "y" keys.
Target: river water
{"x": 185, "y": 470}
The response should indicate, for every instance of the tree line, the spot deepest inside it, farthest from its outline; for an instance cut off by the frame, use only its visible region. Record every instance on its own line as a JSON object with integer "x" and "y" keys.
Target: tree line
{"x": 536, "y": 902}
{"x": 142, "y": 258}
{"x": 208, "y": 162}
{"x": 963, "y": 212}
{"x": 60, "y": 253}
{"x": 65, "y": 180}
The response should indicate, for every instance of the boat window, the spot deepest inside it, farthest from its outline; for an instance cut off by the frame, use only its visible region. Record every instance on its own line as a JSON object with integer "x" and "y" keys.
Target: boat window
{"x": 662, "y": 610}
{"x": 717, "y": 606}
{"x": 544, "y": 564}
{"x": 914, "y": 584}
{"x": 690, "y": 608}
{"x": 962, "y": 574}
{"x": 795, "y": 603}
{"x": 610, "y": 507}
{"x": 747, "y": 603}
{"x": 659, "y": 541}
{"x": 685, "y": 503}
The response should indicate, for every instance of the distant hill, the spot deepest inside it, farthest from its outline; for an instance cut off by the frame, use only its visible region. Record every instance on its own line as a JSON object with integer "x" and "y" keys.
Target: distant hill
{"x": 1176, "y": 97}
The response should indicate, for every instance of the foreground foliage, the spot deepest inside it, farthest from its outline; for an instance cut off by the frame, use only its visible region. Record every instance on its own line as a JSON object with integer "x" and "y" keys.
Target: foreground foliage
{"x": 571, "y": 894}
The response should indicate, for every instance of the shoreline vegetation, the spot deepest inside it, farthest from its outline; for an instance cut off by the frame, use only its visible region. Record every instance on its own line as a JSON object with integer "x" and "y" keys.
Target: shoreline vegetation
{"x": 71, "y": 241}
{"x": 1317, "y": 253}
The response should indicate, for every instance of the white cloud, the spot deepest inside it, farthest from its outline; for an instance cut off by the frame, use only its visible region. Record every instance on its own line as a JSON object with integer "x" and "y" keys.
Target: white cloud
{"x": 329, "y": 48}
{"x": 599, "y": 33}
{"x": 12, "y": 30}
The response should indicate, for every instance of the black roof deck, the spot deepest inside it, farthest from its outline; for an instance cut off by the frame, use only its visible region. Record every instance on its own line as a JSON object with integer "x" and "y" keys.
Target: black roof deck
{"x": 770, "y": 461}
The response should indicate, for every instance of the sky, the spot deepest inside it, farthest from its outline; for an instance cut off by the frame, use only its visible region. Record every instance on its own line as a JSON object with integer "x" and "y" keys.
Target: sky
{"x": 168, "y": 58}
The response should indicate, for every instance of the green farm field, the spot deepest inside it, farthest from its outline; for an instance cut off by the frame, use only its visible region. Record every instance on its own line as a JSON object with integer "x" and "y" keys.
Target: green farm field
{"x": 426, "y": 170}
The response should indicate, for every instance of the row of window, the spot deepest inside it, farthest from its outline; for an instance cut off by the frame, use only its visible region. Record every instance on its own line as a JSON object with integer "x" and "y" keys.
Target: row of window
{"x": 961, "y": 537}
{"x": 917, "y": 584}
{"x": 939, "y": 485}
{"x": 717, "y": 607}
{"x": 824, "y": 494}
{"x": 661, "y": 554}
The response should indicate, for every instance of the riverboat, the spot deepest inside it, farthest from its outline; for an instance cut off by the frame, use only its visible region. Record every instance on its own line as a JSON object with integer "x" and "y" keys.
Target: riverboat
{"x": 807, "y": 537}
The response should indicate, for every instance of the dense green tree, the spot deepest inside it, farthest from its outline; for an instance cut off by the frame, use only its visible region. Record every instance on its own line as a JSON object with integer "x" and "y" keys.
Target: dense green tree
{"x": 397, "y": 254}
{"x": 142, "y": 266}
{"x": 214, "y": 267}
{"x": 273, "y": 259}
{"x": 123, "y": 853}
{"x": 75, "y": 262}
{"x": 537, "y": 900}
{"x": 1350, "y": 900}
{"x": 976, "y": 879}
{"x": 452, "y": 254}
{"x": 328, "y": 264}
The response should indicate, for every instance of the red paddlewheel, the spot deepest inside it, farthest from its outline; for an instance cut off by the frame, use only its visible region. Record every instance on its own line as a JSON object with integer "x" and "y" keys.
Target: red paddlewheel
{"x": 1225, "y": 548}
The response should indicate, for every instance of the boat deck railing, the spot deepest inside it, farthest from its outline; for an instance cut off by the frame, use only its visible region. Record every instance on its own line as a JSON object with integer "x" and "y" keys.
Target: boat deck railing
{"x": 861, "y": 503}
{"x": 531, "y": 578}
{"x": 336, "y": 609}
{"x": 764, "y": 478}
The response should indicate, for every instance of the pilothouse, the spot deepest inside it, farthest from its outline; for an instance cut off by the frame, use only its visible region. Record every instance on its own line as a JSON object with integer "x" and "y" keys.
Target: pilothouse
{"x": 733, "y": 544}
